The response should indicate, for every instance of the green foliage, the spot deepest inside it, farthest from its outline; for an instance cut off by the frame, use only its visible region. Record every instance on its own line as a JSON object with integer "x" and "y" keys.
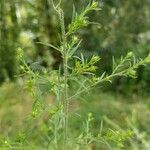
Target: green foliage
{"x": 119, "y": 137}
{"x": 124, "y": 25}
{"x": 81, "y": 20}
{"x": 57, "y": 83}
{"x": 22, "y": 131}
{"x": 84, "y": 66}
{"x": 44, "y": 83}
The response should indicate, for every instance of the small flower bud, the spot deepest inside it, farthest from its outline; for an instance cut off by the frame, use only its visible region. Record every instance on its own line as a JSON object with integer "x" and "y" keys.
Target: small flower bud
{"x": 130, "y": 54}
{"x": 19, "y": 53}
{"x": 94, "y": 4}
{"x": 75, "y": 39}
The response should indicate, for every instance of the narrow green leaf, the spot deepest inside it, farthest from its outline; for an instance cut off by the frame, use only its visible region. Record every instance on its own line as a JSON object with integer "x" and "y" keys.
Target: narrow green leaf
{"x": 49, "y": 45}
{"x": 74, "y": 49}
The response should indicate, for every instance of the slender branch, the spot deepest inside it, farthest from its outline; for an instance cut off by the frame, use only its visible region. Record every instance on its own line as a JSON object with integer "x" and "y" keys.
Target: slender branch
{"x": 107, "y": 78}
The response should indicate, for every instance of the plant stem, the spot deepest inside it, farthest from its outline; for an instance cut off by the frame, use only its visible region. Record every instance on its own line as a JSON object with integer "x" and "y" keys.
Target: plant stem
{"x": 66, "y": 99}
{"x": 65, "y": 64}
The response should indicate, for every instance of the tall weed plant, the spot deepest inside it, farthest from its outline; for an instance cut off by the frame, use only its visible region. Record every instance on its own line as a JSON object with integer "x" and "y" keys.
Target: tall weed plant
{"x": 75, "y": 70}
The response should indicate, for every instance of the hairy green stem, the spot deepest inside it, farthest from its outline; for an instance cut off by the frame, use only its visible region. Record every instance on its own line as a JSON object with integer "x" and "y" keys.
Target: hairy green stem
{"x": 65, "y": 64}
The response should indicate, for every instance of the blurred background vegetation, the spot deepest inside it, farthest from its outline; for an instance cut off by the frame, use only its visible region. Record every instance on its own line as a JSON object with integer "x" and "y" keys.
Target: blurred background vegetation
{"x": 124, "y": 25}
